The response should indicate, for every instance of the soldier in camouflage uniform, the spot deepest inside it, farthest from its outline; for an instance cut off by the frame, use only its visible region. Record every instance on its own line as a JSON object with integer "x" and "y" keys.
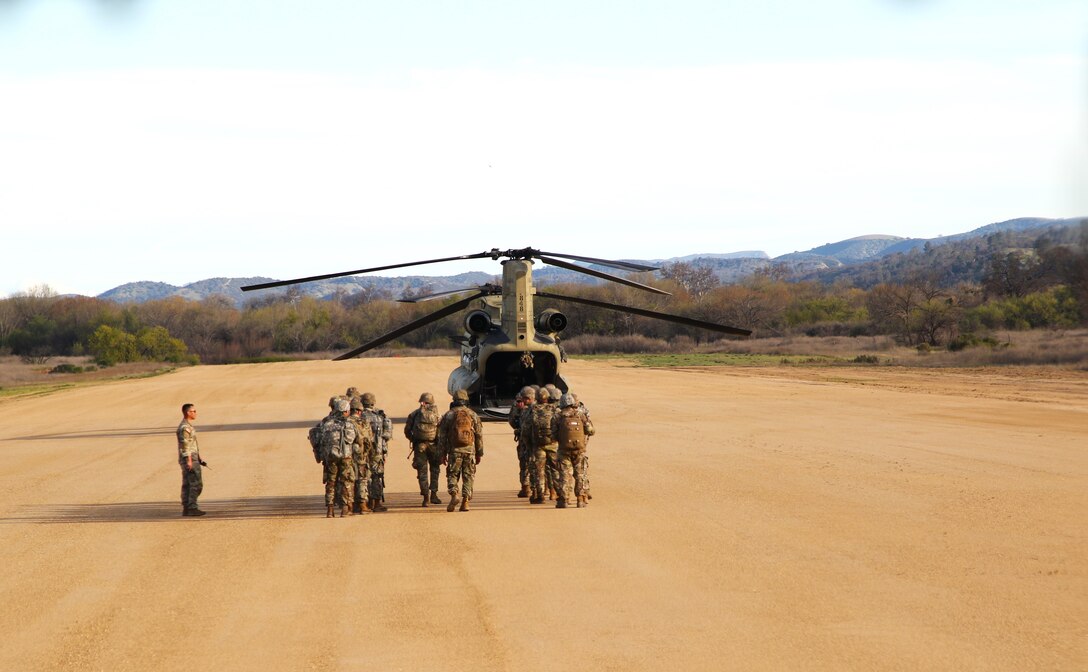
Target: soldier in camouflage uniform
{"x": 461, "y": 441}
{"x": 383, "y": 432}
{"x": 343, "y": 448}
{"x": 362, "y": 462}
{"x": 421, "y": 430}
{"x": 522, "y": 402}
{"x": 537, "y": 432}
{"x": 571, "y": 428}
{"x": 585, "y": 453}
{"x": 192, "y": 480}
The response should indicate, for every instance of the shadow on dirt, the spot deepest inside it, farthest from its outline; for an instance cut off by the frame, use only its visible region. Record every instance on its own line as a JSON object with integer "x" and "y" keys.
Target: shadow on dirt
{"x": 253, "y": 508}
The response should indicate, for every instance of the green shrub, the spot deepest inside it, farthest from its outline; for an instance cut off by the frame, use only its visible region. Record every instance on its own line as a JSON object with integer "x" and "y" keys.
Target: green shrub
{"x": 66, "y": 368}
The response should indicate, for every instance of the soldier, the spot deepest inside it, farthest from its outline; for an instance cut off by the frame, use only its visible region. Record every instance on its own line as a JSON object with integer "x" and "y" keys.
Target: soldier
{"x": 570, "y": 427}
{"x": 522, "y": 402}
{"x": 421, "y": 430}
{"x": 382, "y": 427}
{"x": 192, "y": 481}
{"x": 553, "y": 474}
{"x": 362, "y": 463}
{"x": 585, "y": 453}
{"x": 343, "y": 448}
{"x": 538, "y": 432}
{"x": 461, "y": 441}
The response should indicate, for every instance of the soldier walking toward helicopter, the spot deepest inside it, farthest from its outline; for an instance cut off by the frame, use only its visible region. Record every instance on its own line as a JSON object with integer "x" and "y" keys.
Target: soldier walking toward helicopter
{"x": 461, "y": 441}
{"x": 421, "y": 430}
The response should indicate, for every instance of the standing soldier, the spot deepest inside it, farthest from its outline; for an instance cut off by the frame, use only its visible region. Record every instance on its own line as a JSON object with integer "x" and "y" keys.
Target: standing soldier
{"x": 192, "y": 481}
{"x": 538, "y": 432}
{"x": 343, "y": 447}
{"x": 571, "y": 428}
{"x": 421, "y": 430}
{"x": 523, "y": 401}
{"x": 585, "y": 453}
{"x": 461, "y": 441}
{"x": 382, "y": 427}
{"x": 362, "y": 462}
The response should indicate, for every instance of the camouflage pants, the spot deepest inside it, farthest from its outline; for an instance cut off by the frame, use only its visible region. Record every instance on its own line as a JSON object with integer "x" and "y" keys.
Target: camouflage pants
{"x": 192, "y": 484}
{"x": 428, "y": 465}
{"x": 362, "y": 481}
{"x": 461, "y": 466}
{"x": 339, "y": 481}
{"x": 546, "y": 470}
{"x": 525, "y": 464}
{"x": 571, "y": 476}
{"x": 377, "y": 476}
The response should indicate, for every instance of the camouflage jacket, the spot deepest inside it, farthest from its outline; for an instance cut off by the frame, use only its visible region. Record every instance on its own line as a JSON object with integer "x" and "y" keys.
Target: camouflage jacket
{"x": 446, "y": 444}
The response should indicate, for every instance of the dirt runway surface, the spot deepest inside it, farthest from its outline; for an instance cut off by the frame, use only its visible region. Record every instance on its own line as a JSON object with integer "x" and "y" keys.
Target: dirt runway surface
{"x": 747, "y": 519}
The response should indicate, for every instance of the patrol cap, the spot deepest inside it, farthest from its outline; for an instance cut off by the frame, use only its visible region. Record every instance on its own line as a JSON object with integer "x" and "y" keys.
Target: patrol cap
{"x": 566, "y": 400}
{"x": 460, "y": 395}
{"x": 368, "y": 399}
{"x": 343, "y": 405}
{"x": 426, "y": 398}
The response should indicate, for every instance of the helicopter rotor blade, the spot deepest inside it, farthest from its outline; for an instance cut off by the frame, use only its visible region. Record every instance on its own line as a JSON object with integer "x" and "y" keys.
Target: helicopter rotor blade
{"x": 688, "y": 321}
{"x": 622, "y": 265}
{"x": 329, "y": 276}
{"x": 483, "y": 289}
{"x": 411, "y": 326}
{"x": 604, "y": 276}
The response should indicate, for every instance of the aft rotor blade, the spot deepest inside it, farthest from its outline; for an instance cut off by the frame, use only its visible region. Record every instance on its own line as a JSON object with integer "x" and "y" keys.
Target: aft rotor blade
{"x": 622, "y": 265}
{"x": 483, "y": 289}
{"x": 604, "y": 276}
{"x": 649, "y": 313}
{"x": 411, "y": 326}
{"x": 329, "y": 276}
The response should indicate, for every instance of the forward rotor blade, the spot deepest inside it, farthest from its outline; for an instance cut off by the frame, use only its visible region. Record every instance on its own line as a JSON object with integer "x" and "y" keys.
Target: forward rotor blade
{"x": 649, "y": 313}
{"x": 604, "y": 276}
{"x": 623, "y": 265}
{"x": 411, "y": 326}
{"x": 328, "y": 276}
{"x": 483, "y": 289}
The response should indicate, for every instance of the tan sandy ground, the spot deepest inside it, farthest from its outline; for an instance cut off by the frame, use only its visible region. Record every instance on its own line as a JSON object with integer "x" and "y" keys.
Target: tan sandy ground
{"x": 744, "y": 519}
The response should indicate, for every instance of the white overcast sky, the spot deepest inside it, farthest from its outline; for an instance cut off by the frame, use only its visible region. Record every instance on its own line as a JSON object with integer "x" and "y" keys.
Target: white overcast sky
{"x": 178, "y": 140}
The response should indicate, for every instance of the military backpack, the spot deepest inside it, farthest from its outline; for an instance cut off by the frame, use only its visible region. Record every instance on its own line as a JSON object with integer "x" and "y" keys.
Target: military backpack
{"x": 425, "y": 427}
{"x": 572, "y": 433}
{"x": 542, "y": 424}
{"x": 317, "y": 441}
{"x": 463, "y": 433}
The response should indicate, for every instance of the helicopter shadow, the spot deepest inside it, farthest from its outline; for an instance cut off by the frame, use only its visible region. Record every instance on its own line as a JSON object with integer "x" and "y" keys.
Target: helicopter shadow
{"x": 246, "y": 508}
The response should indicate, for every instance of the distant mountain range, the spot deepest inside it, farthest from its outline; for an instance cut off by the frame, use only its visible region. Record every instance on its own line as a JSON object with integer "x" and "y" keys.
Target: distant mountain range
{"x": 728, "y": 267}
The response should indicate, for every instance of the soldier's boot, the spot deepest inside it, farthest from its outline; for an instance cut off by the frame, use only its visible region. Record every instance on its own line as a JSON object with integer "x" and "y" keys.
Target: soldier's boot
{"x": 560, "y": 503}
{"x": 364, "y": 506}
{"x": 377, "y": 506}
{"x": 453, "y": 502}
{"x": 357, "y": 508}
{"x": 434, "y": 497}
{"x": 524, "y": 491}
{"x": 345, "y": 511}
{"x": 551, "y": 493}
{"x": 464, "y": 503}
{"x": 426, "y": 501}
{"x": 328, "y": 511}
{"x": 582, "y": 503}
{"x": 536, "y": 498}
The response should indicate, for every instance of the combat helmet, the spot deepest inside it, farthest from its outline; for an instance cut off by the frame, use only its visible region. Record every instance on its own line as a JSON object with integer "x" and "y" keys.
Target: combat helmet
{"x": 460, "y": 395}
{"x": 527, "y": 393}
{"x": 352, "y": 392}
{"x": 343, "y": 405}
{"x": 356, "y": 405}
{"x": 553, "y": 391}
{"x": 567, "y": 400}
{"x": 543, "y": 396}
{"x": 426, "y": 398}
{"x": 368, "y": 399}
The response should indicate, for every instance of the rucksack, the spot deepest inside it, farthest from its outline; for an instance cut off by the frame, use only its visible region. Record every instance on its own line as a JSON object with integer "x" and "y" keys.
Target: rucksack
{"x": 542, "y": 424}
{"x": 463, "y": 432}
{"x": 572, "y": 433}
{"x": 335, "y": 437}
{"x": 317, "y": 441}
{"x": 425, "y": 427}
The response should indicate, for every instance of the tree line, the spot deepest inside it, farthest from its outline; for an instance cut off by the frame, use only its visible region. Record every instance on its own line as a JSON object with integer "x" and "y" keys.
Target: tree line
{"x": 1044, "y": 285}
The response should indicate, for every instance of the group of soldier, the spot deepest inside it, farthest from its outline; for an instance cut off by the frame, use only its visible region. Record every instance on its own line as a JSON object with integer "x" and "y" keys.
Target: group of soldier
{"x": 351, "y": 444}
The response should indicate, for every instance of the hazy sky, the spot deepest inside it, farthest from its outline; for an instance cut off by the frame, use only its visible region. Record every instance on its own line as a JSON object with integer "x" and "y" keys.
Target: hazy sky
{"x": 178, "y": 140}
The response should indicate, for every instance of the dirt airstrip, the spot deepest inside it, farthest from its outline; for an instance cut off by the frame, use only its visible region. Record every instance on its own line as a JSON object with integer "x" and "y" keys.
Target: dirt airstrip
{"x": 743, "y": 519}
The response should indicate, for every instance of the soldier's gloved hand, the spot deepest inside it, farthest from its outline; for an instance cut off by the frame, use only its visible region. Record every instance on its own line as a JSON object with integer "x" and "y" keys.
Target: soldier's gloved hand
{"x": 203, "y": 463}
{"x": 478, "y": 458}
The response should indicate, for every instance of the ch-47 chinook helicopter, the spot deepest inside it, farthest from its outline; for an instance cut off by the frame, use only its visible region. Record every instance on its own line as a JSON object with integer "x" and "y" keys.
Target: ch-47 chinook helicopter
{"x": 506, "y": 346}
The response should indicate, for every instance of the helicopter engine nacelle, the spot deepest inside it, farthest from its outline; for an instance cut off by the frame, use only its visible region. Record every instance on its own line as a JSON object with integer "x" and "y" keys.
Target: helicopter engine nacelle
{"x": 551, "y": 321}
{"x": 478, "y": 322}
